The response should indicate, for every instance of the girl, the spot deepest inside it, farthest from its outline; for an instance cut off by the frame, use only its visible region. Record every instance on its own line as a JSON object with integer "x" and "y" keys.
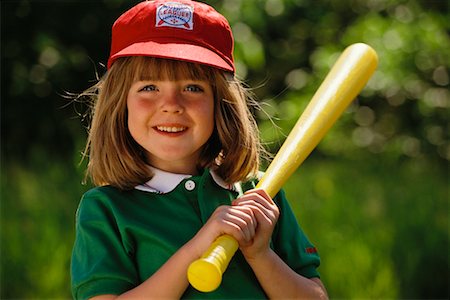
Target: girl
{"x": 174, "y": 152}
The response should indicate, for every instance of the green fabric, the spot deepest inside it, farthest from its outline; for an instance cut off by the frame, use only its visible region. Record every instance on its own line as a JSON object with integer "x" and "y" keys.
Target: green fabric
{"x": 123, "y": 237}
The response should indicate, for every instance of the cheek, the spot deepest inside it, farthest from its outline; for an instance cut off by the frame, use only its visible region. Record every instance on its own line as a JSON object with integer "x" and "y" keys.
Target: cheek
{"x": 135, "y": 116}
{"x": 138, "y": 109}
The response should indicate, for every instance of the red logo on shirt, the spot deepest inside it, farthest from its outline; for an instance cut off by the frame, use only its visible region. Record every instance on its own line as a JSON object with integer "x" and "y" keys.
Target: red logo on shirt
{"x": 311, "y": 250}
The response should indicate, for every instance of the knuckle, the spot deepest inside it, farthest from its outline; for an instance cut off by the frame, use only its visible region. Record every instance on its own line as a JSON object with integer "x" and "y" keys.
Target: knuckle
{"x": 219, "y": 210}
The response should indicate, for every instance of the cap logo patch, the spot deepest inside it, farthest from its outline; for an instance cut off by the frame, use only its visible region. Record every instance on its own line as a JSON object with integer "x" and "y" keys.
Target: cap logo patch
{"x": 173, "y": 14}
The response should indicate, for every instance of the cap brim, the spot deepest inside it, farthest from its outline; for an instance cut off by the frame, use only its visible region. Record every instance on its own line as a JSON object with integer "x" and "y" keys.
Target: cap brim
{"x": 177, "y": 51}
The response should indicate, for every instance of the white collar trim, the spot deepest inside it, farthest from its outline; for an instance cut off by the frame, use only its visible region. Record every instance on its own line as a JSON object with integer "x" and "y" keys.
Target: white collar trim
{"x": 164, "y": 182}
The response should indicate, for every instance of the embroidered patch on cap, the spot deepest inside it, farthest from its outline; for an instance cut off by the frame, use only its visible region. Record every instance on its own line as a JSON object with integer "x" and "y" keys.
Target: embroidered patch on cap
{"x": 173, "y": 14}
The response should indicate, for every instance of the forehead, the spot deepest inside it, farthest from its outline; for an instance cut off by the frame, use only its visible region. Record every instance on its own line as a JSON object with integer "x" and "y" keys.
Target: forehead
{"x": 149, "y": 68}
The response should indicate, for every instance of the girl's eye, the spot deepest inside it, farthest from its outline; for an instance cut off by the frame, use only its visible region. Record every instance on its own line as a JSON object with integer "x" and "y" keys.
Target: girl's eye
{"x": 149, "y": 88}
{"x": 194, "y": 88}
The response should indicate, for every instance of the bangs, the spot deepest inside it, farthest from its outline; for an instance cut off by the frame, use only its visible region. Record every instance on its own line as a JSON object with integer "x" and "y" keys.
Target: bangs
{"x": 155, "y": 69}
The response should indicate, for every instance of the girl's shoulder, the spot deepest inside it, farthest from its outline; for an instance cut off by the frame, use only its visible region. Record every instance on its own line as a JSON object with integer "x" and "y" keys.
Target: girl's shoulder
{"x": 106, "y": 196}
{"x": 103, "y": 190}
{"x": 111, "y": 195}
{"x": 105, "y": 193}
{"x": 106, "y": 200}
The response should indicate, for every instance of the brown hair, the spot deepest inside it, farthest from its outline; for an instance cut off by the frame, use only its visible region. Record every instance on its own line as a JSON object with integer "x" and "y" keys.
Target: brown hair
{"x": 233, "y": 150}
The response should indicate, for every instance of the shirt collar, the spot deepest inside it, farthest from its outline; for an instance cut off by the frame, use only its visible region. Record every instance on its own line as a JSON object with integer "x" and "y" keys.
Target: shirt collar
{"x": 164, "y": 182}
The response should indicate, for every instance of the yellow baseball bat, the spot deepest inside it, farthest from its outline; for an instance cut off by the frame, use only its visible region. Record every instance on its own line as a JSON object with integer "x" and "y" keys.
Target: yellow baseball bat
{"x": 342, "y": 84}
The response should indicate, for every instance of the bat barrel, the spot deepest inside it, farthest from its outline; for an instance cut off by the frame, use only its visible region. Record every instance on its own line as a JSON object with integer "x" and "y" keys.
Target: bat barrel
{"x": 344, "y": 81}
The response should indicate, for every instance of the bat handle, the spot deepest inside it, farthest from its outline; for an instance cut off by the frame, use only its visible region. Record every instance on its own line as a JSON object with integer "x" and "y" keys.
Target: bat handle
{"x": 205, "y": 274}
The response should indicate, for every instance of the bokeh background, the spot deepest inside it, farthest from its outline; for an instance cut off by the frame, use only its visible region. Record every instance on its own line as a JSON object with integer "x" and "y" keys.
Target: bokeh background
{"x": 373, "y": 196}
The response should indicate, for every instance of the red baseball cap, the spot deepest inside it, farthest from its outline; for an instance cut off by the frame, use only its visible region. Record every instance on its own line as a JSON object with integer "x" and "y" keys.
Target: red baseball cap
{"x": 177, "y": 29}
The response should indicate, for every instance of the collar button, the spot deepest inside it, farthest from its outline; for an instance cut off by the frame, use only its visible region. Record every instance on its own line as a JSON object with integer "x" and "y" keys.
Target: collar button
{"x": 189, "y": 185}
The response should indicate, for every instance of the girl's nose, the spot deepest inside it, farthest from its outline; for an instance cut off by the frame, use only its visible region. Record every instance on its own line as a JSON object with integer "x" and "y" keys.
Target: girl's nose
{"x": 172, "y": 103}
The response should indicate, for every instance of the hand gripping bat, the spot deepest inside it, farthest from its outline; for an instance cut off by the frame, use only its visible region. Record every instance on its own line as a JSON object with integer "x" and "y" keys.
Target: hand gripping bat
{"x": 342, "y": 84}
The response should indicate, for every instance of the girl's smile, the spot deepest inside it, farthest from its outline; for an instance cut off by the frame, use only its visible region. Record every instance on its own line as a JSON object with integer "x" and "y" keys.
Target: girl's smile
{"x": 171, "y": 120}
{"x": 170, "y": 129}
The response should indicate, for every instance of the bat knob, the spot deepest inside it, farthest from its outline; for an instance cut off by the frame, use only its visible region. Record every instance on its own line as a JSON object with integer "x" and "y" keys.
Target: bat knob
{"x": 204, "y": 275}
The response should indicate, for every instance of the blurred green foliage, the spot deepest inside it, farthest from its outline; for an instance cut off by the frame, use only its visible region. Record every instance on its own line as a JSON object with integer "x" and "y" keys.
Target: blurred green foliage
{"x": 373, "y": 196}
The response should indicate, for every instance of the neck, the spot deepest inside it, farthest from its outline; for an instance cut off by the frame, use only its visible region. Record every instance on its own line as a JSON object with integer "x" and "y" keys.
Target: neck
{"x": 177, "y": 169}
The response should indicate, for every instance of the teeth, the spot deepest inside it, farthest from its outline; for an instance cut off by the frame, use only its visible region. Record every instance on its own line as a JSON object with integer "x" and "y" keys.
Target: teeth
{"x": 170, "y": 129}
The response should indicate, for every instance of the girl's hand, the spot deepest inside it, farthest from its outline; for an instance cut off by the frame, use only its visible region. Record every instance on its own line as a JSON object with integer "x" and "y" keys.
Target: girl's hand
{"x": 266, "y": 213}
{"x": 238, "y": 221}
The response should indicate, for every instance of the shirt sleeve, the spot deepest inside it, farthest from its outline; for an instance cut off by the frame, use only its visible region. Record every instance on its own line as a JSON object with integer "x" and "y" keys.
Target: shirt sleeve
{"x": 100, "y": 262}
{"x": 291, "y": 243}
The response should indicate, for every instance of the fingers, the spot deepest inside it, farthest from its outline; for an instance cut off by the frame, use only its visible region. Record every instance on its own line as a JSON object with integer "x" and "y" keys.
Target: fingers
{"x": 266, "y": 213}
{"x": 239, "y": 222}
{"x": 243, "y": 223}
{"x": 252, "y": 216}
{"x": 262, "y": 205}
{"x": 258, "y": 196}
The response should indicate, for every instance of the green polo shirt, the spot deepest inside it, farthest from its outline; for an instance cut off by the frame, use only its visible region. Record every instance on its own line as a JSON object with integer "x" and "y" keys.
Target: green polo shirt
{"x": 123, "y": 237}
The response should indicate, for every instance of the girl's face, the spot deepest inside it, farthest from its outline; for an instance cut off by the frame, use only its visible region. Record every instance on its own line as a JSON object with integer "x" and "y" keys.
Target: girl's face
{"x": 171, "y": 120}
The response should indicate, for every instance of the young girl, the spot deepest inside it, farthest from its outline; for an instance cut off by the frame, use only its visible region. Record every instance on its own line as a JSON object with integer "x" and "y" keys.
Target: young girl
{"x": 174, "y": 153}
